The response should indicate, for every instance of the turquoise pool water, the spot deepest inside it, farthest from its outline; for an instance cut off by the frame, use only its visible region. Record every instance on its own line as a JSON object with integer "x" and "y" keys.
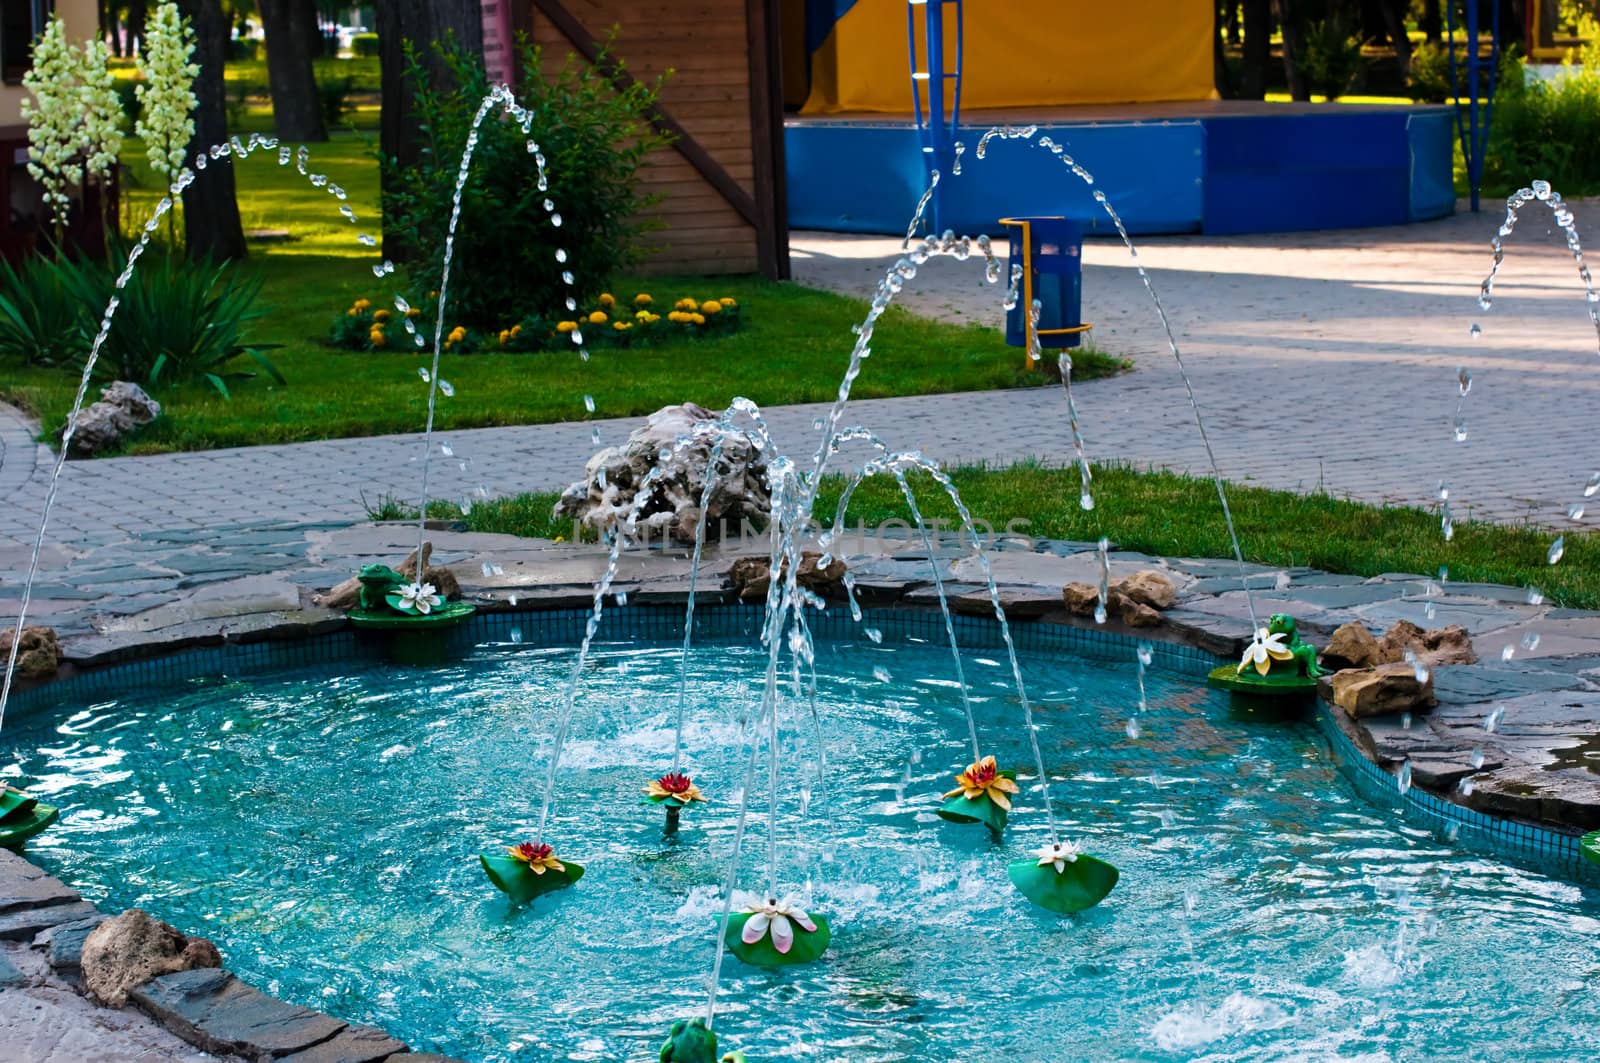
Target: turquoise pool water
{"x": 322, "y": 828}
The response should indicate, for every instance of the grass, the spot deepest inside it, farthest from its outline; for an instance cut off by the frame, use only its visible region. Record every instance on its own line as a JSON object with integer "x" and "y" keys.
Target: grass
{"x": 1178, "y": 516}
{"x": 792, "y": 347}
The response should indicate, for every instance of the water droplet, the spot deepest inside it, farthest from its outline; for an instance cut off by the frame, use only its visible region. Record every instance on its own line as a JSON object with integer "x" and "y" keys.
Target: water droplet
{"x": 1476, "y": 760}
{"x": 569, "y": 279}
{"x": 881, "y": 675}
{"x": 555, "y": 219}
{"x": 588, "y": 403}
{"x": 1133, "y": 729}
{"x": 1403, "y": 780}
{"x": 1465, "y": 786}
{"x": 561, "y": 254}
{"x": 1475, "y": 331}
{"x": 1541, "y": 189}
{"x": 1507, "y": 652}
{"x": 1535, "y": 596}
{"x": 1494, "y": 719}
{"x": 875, "y": 635}
{"x": 446, "y": 388}
{"x": 447, "y": 450}
{"x": 1464, "y": 379}
{"x": 1592, "y": 486}
{"x": 1575, "y": 511}
{"x": 1461, "y": 429}
{"x": 1405, "y": 721}
{"x": 549, "y": 205}
{"x": 516, "y": 632}
{"x": 1086, "y": 501}
{"x": 1530, "y": 641}
{"x": 422, "y": 371}
{"x": 577, "y": 336}
{"x": 1146, "y": 653}
{"x": 1557, "y": 549}
{"x": 377, "y": 270}
{"x": 366, "y": 241}
{"x": 1100, "y": 613}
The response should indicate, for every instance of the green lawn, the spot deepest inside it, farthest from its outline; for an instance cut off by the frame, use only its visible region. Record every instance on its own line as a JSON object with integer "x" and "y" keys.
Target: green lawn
{"x": 792, "y": 348}
{"x": 1172, "y": 515}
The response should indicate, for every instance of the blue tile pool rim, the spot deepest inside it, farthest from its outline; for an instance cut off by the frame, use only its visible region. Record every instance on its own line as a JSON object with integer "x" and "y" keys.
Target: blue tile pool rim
{"x": 1546, "y": 850}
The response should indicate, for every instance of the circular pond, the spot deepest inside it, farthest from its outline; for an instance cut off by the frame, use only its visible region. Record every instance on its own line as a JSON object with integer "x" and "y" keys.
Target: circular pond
{"x": 322, "y": 827}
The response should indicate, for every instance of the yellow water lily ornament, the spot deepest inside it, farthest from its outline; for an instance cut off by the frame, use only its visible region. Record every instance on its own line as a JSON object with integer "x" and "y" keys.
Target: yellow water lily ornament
{"x": 983, "y": 779}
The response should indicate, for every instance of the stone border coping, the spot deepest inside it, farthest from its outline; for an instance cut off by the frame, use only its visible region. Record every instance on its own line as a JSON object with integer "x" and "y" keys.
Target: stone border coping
{"x": 210, "y": 1009}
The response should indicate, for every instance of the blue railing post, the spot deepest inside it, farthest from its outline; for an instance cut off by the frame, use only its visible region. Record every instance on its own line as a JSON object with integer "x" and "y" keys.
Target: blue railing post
{"x": 936, "y": 129}
{"x": 1472, "y": 123}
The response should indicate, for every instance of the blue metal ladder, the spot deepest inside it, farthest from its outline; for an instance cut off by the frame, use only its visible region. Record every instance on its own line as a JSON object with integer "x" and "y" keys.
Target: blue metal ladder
{"x": 1475, "y": 108}
{"x": 929, "y": 73}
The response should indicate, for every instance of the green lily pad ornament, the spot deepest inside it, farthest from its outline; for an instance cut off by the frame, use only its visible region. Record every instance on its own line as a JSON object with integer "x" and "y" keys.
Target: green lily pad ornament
{"x": 693, "y": 1042}
{"x": 1279, "y": 671}
{"x": 675, "y": 792}
{"x": 1062, "y": 878}
{"x": 21, "y": 817}
{"x": 982, "y": 795}
{"x": 774, "y": 933}
{"x": 529, "y": 870}
{"x": 1588, "y": 845}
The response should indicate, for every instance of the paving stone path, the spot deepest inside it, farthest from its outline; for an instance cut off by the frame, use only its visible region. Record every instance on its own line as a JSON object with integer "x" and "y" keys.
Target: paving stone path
{"x": 1324, "y": 361}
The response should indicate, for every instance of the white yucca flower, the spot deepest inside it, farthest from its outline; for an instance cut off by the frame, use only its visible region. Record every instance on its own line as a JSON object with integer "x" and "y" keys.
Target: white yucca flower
{"x": 166, "y": 95}
{"x": 102, "y": 112}
{"x": 56, "y": 135}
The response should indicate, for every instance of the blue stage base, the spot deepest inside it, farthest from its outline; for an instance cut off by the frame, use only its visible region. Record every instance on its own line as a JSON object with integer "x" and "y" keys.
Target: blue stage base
{"x": 1212, "y": 166}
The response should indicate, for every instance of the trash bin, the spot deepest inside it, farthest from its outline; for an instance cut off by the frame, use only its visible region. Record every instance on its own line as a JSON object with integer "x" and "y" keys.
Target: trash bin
{"x": 1050, "y": 252}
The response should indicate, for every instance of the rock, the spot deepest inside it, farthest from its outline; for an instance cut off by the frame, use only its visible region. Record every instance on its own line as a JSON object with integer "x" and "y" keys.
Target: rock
{"x": 604, "y": 497}
{"x": 750, "y": 577}
{"x": 1388, "y": 688}
{"x": 344, "y": 596}
{"x": 132, "y": 948}
{"x": 1080, "y": 598}
{"x": 1352, "y": 646}
{"x": 1448, "y": 645}
{"x": 39, "y": 655}
{"x": 123, "y": 408}
{"x": 217, "y": 1013}
{"x": 1135, "y": 613}
{"x": 1445, "y": 645}
{"x": 1147, "y": 587}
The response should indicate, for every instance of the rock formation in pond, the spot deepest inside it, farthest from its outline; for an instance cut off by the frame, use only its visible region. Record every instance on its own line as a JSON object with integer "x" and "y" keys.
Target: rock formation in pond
{"x": 123, "y": 408}
{"x": 127, "y": 951}
{"x": 750, "y": 577}
{"x": 605, "y": 495}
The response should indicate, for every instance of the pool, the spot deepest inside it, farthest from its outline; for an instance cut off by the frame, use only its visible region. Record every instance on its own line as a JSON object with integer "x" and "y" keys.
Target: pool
{"x": 322, "y": 825}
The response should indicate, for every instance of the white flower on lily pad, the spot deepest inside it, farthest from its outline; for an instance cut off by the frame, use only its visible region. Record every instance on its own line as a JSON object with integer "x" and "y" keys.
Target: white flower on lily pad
{"x": 1058, "y": 855}
{"x": 420, "y": 597}
{"x": 774, "y": 917}
{"x": 1263, "y": 650}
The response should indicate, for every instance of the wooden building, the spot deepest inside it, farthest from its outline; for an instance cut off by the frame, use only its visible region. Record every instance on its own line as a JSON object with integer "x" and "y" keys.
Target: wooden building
{"x": 722, "y": 180}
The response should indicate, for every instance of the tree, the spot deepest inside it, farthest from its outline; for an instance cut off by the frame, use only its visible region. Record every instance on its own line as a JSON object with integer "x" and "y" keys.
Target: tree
{"x": 291, "y": 25}
{"x": 166, "y": 95}
{"x": 1293, "y": 48}
{"x": 210, "y": 211}
{"x": 418, "y": 23}
{"x": 56, "y": 136}
{"x": 1257, "y": 49}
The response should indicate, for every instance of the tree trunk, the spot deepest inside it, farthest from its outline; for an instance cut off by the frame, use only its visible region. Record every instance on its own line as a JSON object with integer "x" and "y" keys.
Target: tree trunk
{"x": 1257, "y": 49}
{"x": 420, "y": 23}
{"x": 296, "y": 106}
{"x": 1293, "y": 48}
{"x": 1394, "y": 21}
{"x": 138, "y": 11}
{"x": 210, "y": 212}
{"x": 1219, "y": 51}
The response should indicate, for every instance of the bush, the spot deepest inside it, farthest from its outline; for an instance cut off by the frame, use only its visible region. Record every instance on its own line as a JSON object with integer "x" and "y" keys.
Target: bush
{"x": 178, "y": 321}
{"x": 607, "y": 322}
{"x": 1548, "y": 129}
{"x": 363, "y": 45}
{"x": 1332, "y": 60}
{"x": 334, "y": 95}
{"x": 41, "y": 320}
{"x": 1429, "y": 76}
{"x": 594, "y": 140}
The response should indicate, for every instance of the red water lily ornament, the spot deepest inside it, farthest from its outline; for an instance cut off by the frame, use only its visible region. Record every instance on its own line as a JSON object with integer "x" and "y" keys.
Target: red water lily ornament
{"x": 674, "y": 786}
{"x": 538, "y": 856}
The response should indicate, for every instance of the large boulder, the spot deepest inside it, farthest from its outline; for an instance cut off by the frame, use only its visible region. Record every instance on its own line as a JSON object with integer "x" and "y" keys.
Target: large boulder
{"x": 1445, "y": 645}
{"x": 39, "y": 654}
{"x": 1380, "y": 691}
{"x": 123, "y": 408}
{"x": 604, "y": 497}
{"x": 751, "y": 577}
{"x": 1137, "y": 599}
{"x": 1147, "y": 587}
{"x": 127, "y": 951}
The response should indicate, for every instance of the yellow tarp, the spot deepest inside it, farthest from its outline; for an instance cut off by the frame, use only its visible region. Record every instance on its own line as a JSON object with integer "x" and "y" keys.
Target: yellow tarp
{"x": 1022, "y": 53}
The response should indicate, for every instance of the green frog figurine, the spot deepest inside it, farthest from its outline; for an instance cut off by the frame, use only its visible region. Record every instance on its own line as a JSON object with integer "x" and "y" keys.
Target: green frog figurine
{"x": 378, "y": 581}
{"x": 692, "y": 1042}
{"x": 1277, "y": 666}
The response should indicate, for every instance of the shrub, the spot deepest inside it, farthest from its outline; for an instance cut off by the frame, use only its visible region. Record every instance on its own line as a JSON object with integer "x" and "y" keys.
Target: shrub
{"x": 1547, "y": 129}
{"x": 1332, "y": 59}
{"x": 334, "y": 95}
{"x": 1429, "y": 76}
{"x": 41, "y": 320}
{"x": 178, "y": 320}
{"x": 594, "y": 140}
{"x": 364, "y": 45}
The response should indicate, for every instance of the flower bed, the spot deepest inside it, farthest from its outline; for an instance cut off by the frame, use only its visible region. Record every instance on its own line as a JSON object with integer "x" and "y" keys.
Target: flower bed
{"x": 609, "y": 323}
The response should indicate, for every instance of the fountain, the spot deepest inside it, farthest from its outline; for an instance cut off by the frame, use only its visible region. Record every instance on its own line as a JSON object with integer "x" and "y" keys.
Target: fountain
{"x": 777, "y": 927}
